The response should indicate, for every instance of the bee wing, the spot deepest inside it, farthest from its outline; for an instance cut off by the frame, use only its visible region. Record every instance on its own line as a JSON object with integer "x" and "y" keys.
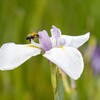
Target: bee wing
{"x": 13, "y": 55}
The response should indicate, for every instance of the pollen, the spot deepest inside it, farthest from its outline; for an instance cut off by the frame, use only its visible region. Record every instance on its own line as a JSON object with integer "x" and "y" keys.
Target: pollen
{"x": 33, "y": 46}
{"x": 61, "y": 47}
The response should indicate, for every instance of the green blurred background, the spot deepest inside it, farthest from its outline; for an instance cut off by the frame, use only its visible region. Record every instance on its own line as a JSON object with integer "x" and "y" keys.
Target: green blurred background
{"x": 32, "y": 81}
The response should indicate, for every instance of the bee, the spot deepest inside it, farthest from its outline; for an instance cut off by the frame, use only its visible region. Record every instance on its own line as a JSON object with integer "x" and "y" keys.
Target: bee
{"x": 32, "y": 36}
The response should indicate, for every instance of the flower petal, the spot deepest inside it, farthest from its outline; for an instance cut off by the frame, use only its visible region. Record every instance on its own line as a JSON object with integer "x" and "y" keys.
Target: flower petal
{"x": 69, "y": 59}
{"x": 44, "y": 40}
{"x": 55, "y": 32}
{"x": 76, "y": 41}
{"x": 12, "y": 55}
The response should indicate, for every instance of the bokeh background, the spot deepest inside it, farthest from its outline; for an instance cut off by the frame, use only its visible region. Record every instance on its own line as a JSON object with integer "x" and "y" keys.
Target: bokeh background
{"x": 32, "y": 81}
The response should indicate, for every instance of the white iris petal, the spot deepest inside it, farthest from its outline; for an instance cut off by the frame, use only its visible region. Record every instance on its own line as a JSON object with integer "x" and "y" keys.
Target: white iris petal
{"x": 68, "y": 59}
{"x": 12, "y": 55}
{"x": 76, "y": 41}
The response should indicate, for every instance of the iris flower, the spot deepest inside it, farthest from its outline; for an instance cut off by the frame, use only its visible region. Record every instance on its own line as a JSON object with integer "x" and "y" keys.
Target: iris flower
{"x": 59, "y": 49}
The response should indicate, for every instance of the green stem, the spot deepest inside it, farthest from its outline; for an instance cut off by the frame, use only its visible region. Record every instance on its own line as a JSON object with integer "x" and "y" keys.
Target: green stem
{"x": 60, "y": 89}
{"x": 56, "y": 83}
{"x": 65, "y": 83}
{"x": 53, "y": 78}
{"x": 60, "y": 83}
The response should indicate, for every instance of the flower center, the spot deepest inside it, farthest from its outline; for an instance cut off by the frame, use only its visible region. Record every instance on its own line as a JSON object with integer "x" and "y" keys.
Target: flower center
{"x": 46, "y": 43}
{"x": 61, "y": 42}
